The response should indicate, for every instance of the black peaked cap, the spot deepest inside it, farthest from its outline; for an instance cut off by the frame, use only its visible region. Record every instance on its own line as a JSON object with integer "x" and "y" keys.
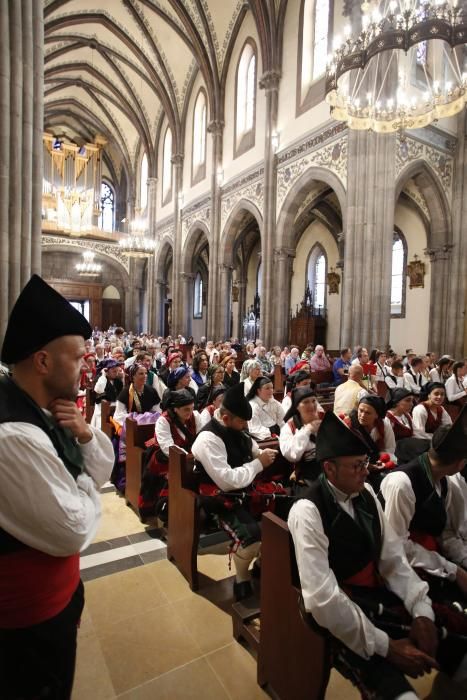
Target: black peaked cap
{"x": 335, "y": 439}
{"x": 236, "y": 402}
{"x": 40, "y": 315}
{"x": 450, "y": 443}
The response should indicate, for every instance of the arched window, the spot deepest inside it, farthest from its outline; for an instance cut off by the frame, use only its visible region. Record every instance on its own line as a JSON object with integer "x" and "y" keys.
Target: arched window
{"x": 316, "y": 278}
{"x": 316, "y": 27}
{"x": 245, "y": 99}
{"x": 199, "y": 137}
{"x": 198, "y": 296}
{"x": 107, "y": 216}
{"x": 167, "y": 167}
{"x": 143, "y": 182}
{"x": 399, "y": 262}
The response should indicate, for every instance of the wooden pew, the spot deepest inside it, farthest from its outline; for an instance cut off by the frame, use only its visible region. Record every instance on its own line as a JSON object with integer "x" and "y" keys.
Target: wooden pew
{"x": 107, "y": 410}
{"x": 184, "y": 516}
{"x": 293, "y": 659}
{"x": 278, "y": 382}
{"x": 136, "y": 436}
{"x": 322, "y": 377}
{"x": 90, "y": 403}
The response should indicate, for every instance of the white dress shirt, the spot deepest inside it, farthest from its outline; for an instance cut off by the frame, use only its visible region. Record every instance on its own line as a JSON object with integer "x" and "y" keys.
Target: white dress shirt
{"x": 295, "y": 446}
{"x": 454, "y": 388}
{"x": 210, "y": 451}
{"x": 327, "y": 602}
{"x": 41, "y": 504}
{"x": 389, "y": 439}
{"x": 413, "y": 381}
{"x": 454, "y": 537}
{"x": 419, "y": 418}
{"x": 399, "y": 509}
{"x": 265, "y": 415}
{"x": 164, "y": 433}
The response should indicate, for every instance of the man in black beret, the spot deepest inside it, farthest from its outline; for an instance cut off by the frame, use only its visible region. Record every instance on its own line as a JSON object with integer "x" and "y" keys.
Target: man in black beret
{"x": 229, "y": 460}
{"x": 52, "y": 465}
{"x": 352, "y": 567}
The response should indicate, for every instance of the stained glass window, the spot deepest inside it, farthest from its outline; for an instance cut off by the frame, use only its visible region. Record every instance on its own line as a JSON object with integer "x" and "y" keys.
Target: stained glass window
{"x": 314, "y": 40}
{"x": 397, "y": 278}
{"x": 167, "y": 165}
{"x": 198, "y": 296}
{"x": 317, "y": 277}
{"x": 143, "y": 182}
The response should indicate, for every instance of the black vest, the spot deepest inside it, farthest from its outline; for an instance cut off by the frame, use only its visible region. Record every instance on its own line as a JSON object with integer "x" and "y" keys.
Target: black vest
{"x": 430, "y": 512}
{"x": 353, "y": 544}
{"x": 238, "y": 446}
{"x": 112, "y": 390}
{"x": 18, "y": 407}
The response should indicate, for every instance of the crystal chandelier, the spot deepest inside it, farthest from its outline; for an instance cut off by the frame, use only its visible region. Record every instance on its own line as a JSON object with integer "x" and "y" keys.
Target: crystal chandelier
{"x": 88, "y": 267}
{"x": 138, "y": 244}
{"x": 405, "y": 69}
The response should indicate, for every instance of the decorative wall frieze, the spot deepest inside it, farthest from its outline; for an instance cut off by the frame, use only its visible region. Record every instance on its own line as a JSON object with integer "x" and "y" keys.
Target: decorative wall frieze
{"x": 311, "y": 142}
{"x": 332, "y": 156}
{"x": 437, "y": 138}
{"x": 165, "y": 228}
{"x": 200, "y": 212}
{"x": 253, "y": 192}
{"x": 111, "y": 250}
{"x": 442, "y": 164}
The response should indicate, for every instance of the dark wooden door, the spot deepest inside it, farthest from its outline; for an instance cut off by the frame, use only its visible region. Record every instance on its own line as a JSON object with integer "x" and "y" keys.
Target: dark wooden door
{"x": 111, "y": 313}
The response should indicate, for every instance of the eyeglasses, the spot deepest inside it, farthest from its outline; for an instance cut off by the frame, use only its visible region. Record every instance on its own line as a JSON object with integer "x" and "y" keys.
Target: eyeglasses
{"x": 358, "y": 467}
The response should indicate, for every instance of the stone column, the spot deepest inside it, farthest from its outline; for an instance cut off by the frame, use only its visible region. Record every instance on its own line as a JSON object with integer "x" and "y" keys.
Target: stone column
{"x": 159, "y": 299}
{"x": 242, "y": 285}
{"x": 441, "y": 270}
{"x": 455, "y": 341}
{"x": 225, "y": 276}
{"x": 268, "y": 331}
{"x": 187, "y": 302}
{"x": 150, "y": 291}
{"x": 177, "y": 314}
{"x": 283, "y": 266}
{"x": 217, "y": 299}
{"x": 21, "y": 120}
{"x": 366, "y": 305}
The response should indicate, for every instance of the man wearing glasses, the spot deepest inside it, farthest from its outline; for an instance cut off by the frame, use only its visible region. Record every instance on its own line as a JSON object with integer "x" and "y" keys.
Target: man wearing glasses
{"x": 355, "y": 578}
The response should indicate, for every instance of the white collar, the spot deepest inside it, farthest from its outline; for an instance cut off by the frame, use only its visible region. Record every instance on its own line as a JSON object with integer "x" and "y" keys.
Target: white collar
{"x": 340, "y": 496}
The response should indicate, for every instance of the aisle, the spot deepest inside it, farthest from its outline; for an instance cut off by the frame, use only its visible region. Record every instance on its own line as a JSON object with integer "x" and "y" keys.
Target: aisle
{"x": 145, "y": 636}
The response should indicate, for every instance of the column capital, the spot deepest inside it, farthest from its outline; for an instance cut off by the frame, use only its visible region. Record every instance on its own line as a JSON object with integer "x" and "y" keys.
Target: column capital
{"x": 159, "y": 281}
{"x": 177, "y": 159}
{"x": 152, "y": 180}
{"x": 440, "y": 252}
{"x": 216, "y": 126}
{"x": 270, "y": 80}
{"x": 186, "y": 276}
{"x": 284, "y": 253}
{"x": 224, "y": 267}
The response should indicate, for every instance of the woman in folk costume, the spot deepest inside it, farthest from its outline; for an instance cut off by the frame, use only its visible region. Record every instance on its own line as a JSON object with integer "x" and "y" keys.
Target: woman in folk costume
{"x": 399, "y": 414}
{"x": 107, "y": 387}
{"x": 216, "y": 399}
{"x": 429, "y": 414}
{"x": 178, "y": 425}
{"x": 369, "y": 422}
{"x": 138, "y": 397}
{"x": 251, "y": 370}
{"x": 268, "y": 415}
{"x": 298, "y": 438}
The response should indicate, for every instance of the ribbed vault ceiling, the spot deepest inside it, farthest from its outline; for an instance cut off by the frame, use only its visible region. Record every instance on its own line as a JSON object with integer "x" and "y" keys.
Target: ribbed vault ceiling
{"x": 117, "y": 67}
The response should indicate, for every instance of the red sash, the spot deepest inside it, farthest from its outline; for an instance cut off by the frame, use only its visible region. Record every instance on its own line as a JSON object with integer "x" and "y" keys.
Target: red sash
{"x": 368, "y": 577}
{"x": 427, "y": 541}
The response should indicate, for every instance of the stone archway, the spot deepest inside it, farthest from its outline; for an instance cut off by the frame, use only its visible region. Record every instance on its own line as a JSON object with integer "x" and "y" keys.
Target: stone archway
{"x": 306, "y": 200}
{"x": 242, "y": 233}
{"x": 439, "y": 251}
{"x": 195, "y": 261}
{"x": 163, "y": 287}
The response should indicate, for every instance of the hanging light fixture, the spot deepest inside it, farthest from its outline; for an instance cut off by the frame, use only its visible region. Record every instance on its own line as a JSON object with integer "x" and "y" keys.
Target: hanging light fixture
{"x": 138, "y": 244}
{"x": 88, "y": 267}
{"x": 405, "y": 69}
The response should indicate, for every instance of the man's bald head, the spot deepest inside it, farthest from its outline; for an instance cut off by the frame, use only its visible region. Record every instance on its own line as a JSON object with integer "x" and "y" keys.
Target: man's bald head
{"x": 356, "y": 373}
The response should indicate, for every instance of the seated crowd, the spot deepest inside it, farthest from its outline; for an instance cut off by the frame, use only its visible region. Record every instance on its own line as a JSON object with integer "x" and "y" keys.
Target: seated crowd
{"x": 368, "y": 454}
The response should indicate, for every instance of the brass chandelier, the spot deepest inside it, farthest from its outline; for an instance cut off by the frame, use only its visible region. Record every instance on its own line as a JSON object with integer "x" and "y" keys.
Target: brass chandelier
{"x": 406, "y": 68}
{"x": 138, "y": 244}
{"x": 88, "y": 268}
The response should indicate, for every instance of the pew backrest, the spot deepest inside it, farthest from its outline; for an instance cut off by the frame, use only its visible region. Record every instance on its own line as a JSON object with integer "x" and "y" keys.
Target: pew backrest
{"x": 136, "y": 436}
{"x": 107, "y": 410}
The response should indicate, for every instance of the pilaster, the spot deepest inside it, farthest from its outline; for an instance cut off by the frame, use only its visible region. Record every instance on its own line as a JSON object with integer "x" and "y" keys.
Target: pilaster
{"x": 216, "y": 293}
{"x": 283, "y": 266}
{"x": 177, "y": 313}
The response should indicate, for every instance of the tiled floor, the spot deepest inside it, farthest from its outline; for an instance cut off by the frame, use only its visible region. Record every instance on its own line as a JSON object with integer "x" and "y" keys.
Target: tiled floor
{"x": 145, "y": 636}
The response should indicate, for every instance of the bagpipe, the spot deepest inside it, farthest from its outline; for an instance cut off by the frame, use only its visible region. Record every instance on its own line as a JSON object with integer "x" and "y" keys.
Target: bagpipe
{"x": 259, "y": 496}
{"x": 390, "y": 619}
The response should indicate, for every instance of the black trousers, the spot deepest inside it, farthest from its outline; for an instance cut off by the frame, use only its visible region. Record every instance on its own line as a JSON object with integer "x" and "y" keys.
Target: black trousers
{"x": 38, "y": 662}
